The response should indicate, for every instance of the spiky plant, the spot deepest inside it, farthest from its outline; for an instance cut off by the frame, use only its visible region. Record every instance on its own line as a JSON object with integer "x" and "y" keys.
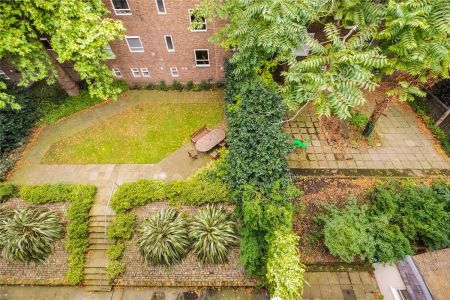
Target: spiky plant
{"x": 213, "y": 233}
{"x": 27, "y": 234}
{"x": 164, "y": 237}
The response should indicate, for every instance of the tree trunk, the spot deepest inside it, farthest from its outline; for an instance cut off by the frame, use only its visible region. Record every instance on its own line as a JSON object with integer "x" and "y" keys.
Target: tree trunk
{"x": 378, "y": 111}
{"x": 67, "y": 83}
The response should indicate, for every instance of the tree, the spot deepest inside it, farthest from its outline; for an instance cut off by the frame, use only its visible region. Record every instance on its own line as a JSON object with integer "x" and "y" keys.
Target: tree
{"x": 78, "y": 31}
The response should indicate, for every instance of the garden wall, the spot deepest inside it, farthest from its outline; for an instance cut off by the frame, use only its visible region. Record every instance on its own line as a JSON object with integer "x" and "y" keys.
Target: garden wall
{"x": 190, "y": 272}
{"x": 52, "y": 271}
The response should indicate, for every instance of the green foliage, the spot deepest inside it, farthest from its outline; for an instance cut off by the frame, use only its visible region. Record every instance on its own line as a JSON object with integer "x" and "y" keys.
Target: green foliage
{"x": 178, "y": 86}
{"x": 115, "y": 251}
{"x": 162, "y": 86}
{"x": 81, "y": 198}
{"x": 115, "y": 268}
{"x": 358, "y": 119}
{"x": 27, "y": 234}
{"x": 122, "y": 227}
{"x": 164, "y": 237}
{"x": 6, "y": 191}
{"x": 213, "y": 233}
{"x": 285, "y": 272}
{"x": 205, "y": 85}
{"x": 190, "y": 85}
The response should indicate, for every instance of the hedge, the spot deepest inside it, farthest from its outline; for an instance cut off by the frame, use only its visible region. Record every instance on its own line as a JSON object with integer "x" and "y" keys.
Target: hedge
{"x": 81, "y": 198}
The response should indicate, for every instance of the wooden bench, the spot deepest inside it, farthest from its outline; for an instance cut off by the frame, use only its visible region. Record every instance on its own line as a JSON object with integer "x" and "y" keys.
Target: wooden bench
{"x": 193, "y": 153}
{"x": 199, "y": 134}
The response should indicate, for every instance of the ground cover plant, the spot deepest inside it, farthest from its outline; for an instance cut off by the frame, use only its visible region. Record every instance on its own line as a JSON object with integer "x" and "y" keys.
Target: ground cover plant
{"x": 145, "y": 133}
{"x": 398, "y": 217}
{"x": 27, "y": 234}
{"x": 81, "y": 198}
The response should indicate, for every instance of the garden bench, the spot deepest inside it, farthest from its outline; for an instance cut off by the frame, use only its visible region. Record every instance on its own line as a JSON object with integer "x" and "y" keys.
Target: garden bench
{"x": 199, "y": 134}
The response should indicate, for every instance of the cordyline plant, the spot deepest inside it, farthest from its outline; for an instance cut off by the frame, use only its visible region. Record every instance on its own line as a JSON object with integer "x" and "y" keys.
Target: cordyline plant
{"x": 164, "y": 237}
{"x": 27, "y": 234}
{"x": 213, "y": 233}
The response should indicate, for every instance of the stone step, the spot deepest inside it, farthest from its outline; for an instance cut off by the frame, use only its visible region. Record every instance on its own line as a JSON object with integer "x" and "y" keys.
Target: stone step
{"x": 101, "y": 241}
{"x": 99, "y": 223}
{"x": 98, "y": 288}
{"x": 100, "y": 229}
{"x": 98, "y": 247}
{"x": 97, "y": 235}
{"x": 101, "y": 218}
{"x": 94, "y": 270}
{"x": 96, "y": 276}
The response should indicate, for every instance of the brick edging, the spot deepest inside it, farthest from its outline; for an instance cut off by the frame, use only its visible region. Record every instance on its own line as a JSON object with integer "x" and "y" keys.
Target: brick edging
{"x": 370, "y": 172}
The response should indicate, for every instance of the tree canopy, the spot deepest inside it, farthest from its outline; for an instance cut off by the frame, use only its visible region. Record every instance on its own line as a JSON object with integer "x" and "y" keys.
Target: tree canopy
{"x": 78, "y": 31}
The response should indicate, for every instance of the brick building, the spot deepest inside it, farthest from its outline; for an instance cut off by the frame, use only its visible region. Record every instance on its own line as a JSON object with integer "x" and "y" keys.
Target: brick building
{"x": 159, "y": 44}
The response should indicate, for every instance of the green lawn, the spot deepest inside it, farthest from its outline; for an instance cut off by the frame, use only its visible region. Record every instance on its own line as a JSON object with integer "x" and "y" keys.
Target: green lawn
{"x": 145, "y": 133}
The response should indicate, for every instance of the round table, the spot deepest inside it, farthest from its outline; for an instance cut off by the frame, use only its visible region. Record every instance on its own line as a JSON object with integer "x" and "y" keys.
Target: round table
{"x": 210, "y": 140}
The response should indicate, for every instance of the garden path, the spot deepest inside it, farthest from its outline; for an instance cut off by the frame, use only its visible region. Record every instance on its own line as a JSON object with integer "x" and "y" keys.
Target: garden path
{"x": 405, "y": 144}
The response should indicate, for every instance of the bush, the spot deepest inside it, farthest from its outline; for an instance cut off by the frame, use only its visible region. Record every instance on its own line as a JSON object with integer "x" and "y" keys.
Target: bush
{"x": 220, "y": 85}
{"x": 285, "y": 272}
{"x": 164, "y": 237}
{"x": 122, "y": 227}
{"x": 6, "y": 191}
{"x": 190, "y": 85}
{"x": 358, "y": 119}
{"x": 115, "y": 268}
{"x": 150, "y": 86}
{"x": 115, "y": 251}
{"x": 205, "y": 85}
{"x": 61, "y": 192}
{"x": 162, "y": 86}
{"x": 213, "y": 234}
{"x": 177, "y": 86}
{"x": 28, "y": 234}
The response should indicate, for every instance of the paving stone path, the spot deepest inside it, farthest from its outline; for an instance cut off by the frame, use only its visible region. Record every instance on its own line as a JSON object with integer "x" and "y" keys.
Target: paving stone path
{"x": 404, "y": 144}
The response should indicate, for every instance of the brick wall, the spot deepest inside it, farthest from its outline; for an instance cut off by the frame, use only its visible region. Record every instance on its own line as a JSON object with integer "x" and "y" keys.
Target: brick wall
{"x": 151, "y": 27}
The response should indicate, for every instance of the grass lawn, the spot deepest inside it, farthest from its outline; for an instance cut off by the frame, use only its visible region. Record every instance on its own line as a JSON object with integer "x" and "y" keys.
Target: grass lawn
{"x": 144, "y": 133}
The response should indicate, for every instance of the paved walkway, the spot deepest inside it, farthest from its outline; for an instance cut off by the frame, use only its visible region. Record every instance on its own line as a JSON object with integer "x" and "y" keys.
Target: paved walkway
{"x": 405, "y": 144}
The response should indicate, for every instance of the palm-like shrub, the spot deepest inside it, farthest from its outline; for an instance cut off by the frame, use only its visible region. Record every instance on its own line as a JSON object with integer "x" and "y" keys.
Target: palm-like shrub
{"x": 213, "y": 233}
{"x": 27, "y": 234}
{"x": 164, "y": 237}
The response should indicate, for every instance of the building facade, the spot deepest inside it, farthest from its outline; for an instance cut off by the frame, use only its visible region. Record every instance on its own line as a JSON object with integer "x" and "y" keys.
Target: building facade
{"x": 159, "y": 44}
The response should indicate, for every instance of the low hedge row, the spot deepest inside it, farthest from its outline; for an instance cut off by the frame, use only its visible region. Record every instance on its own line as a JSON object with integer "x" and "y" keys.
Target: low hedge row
{"x": 81, "y": 198}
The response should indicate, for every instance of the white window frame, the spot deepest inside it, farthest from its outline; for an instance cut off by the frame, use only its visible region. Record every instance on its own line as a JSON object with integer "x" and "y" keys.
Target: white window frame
{"x": 136, "y": 49}
{"x": 117, "y": 72}
{"x": 122, "y": 11}
{"x": 167, "y": 44}
{"x": 195, "y": 57}
{"x": 157, "y": 8}
{"x": 3, "y": 75}
{"x": 174, "y": 72}
{"x": 135, "y": 72}
{"x": 190, "y": 22}
{"x": 145, "y": 72}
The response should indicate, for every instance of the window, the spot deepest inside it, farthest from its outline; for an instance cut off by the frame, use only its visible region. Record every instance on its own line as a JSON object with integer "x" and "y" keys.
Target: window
{"x": 46, "y": 43}
{"x": 174, "y": 72}
{"x": 135, "y": 72}
{"x": 161, "y": 7}
{"x": 110, "y": 53}
{"x": 169, "y": 43}
{"x": 121, "y": 7}
{"x": 3, "y": 75}
{"x": 202, "y": 58}
{"x": 199, "y": 27}
{"x": 134, "y": 43}
{"x": 145, "y": 72}
{"x": 117, "y": 72}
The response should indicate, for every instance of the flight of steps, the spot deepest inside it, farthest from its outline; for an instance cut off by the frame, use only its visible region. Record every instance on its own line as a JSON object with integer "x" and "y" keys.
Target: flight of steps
{"x": 95, "y": 278}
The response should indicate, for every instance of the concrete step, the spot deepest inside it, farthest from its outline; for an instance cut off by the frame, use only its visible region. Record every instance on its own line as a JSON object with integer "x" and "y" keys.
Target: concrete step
{"x": 98, "y": 247}
{"x": 97, "y": 235}
{"x": 101, "y": 218}
{"x": 94, "y": 270}
{"x": 101, "y": 241}
{"x": 98, "y": 288}
{"x": 99, "y": 223}
{"x": 99, "y": 229}
{"x": 96, "y": 276}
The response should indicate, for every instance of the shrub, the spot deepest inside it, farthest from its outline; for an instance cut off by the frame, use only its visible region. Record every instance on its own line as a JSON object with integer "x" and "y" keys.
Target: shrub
{"x": 177, "y": 86}
{"x": 115, "y": 268}
{"x": 122, "y": 227}
{"x": 6, "y": 190}
{"x": 150, "y": 86}
{"x": 115, "y": 251}
{"x": 61, "y": 192}
{"x": 28, "y": 234}
{"x": 212, "y": 233}
{"x": 358, "y": 119}
{"x": 164, "y": 237}
{"x": 285, "y": 272}
{"x": 190, "y": 85}
{"x": 205, "y": 85}
{"x": 220, "y": 85}
{"x": 162, "y": 86}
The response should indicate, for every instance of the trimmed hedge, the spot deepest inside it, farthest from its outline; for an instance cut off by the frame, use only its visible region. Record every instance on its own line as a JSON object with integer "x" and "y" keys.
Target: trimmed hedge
{"x": 81, "y": 198}
{"x": 6, "y": 191}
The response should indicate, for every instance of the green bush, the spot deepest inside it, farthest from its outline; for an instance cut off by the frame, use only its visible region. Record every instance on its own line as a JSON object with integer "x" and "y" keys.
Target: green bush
{"x": 115, "y": 251}
{"x": 164, "y": 237}
{"x": 220, "y": 85}
{"x": 213, "y": 234}
{"x": 177, "y": 86}
{"x": 190, "y": 85}
{"x": 27, "y": 234}
{"x": 81, "y": 198}
{"x": 6, "y": 191}
{"x": 162, "y": 86}
{"x": 358, "y": 119}
{"x": 150, "y": 86}
{"x": 122, "y": 227}
{"x": 115, "y": 268}
{"x": 285, "y": 272}
{"x": 205, "y": 85}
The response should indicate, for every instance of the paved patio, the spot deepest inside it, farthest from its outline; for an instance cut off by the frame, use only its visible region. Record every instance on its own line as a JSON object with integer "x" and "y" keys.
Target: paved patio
{"x": 405, "y": 144}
